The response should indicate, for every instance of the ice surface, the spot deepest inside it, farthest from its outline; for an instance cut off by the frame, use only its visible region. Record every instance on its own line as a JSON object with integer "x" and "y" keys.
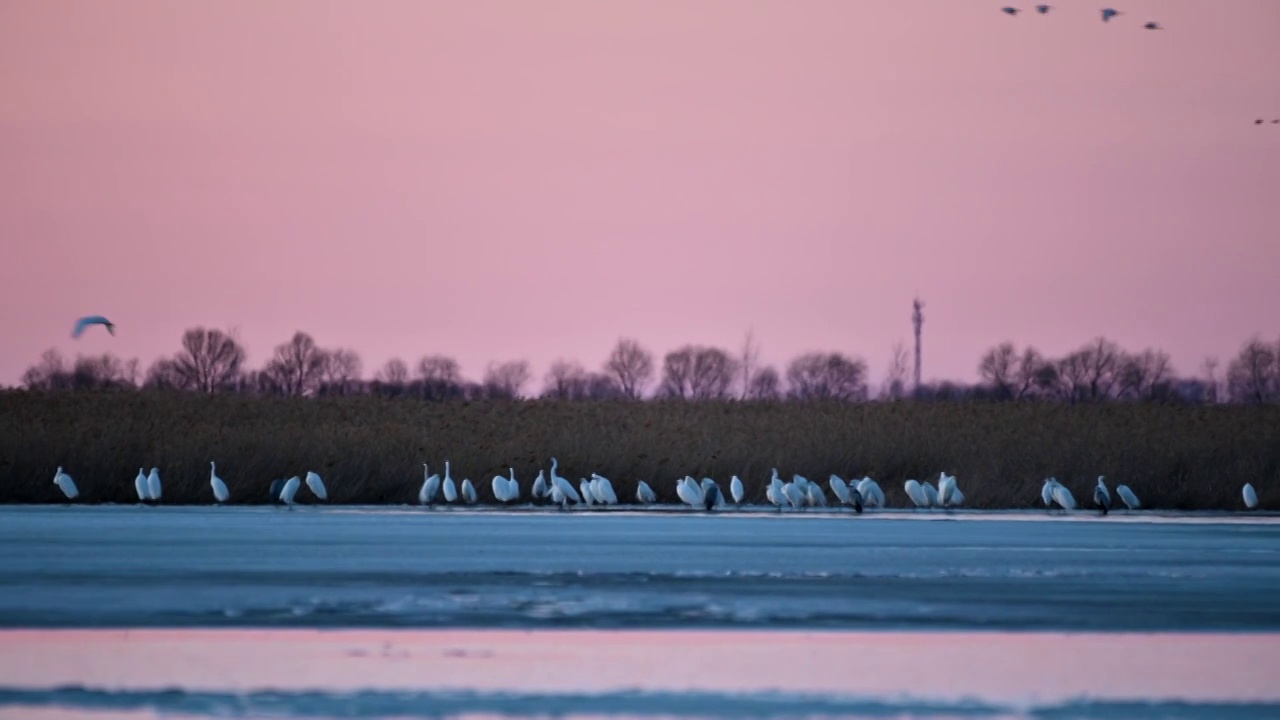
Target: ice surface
{"x": 227, "y": 566}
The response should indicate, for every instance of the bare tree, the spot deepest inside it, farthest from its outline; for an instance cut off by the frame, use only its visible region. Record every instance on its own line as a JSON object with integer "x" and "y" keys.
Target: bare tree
{"x": 997, "y": 369}
{"x": 50, "y": 373}
{"x": 817, "y": 376}
{"x": 748, "y": 362}
{"x": 163, "y": 375}
{"x": 895, "y": 379}
{"x": 1033, "y": 374}
{"x": 1145, "y": 376}
{"x": 765, "y": 384}
{"x": 632, "y": 366}
{"x": 340, "y": 372}
{"x": 677, "y": 373}
{"x": 506, "y": 380}
{"x": 714, "y": 371}
{"x": 562, "y": 379}
{"x": 440, "y": 378}
{"x": 1252, "y": 374}
{"x": 296, "y": 366}
{"x": 209, "y": 360}
{"x": 100, "y": 372}
{"x": 394, "y": 372}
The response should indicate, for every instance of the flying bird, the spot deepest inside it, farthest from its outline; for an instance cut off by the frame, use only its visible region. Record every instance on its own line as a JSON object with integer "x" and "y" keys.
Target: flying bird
{"x": 1009, "y": 10}
{"x": 1108, "y": 13}
{"x": 83, "y": 323}
{"x": 1152, "y": 26}
{"x": 1042, "y": 9}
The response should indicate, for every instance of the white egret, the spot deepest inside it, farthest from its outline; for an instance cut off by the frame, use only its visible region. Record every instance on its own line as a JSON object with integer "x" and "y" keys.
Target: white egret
{"x": 140, "y": 486}
{"x": 814, "y": 494}
{"x": 1250, "y": 496}
{"x": 83, "y": 323}
{"x": 153, "y": 485}
{"x": 773, "y": 493}
{"x": 871, "y": 493}
{"x": 736, "y": 489}
{"x": 689, "y": 492}
{"x": 1063, "y": 496}
{"x": 468, "y": 491}
{"x": 65, "y": 484}
{"x": 316, "y": 486}
{"x": 290, "y": 490}
{"x": 1101, "y": 497}
{"x": 539, "y": 487}
{"x": 1126, "y": 495}
{"x": 430, "y": 486}
{"x": 585, "y": 488}
{"x": 645, "y": 494}
{"x": 839, "y": 488}
{"x": 220, "y": 492}
{"x": 450, "y": 490}
{"x": 500, "y": 488}
{"x": 957, "y": 497}
{"x": 946, "y": 486}
{"x": 603, "y": 490}
{"x": 513, "y": 487}
{"x": 930, "y": 492}
{"x": 1046, "y": 492}
{"x": 794, "y": 494}
{"x": 916, "y": 492}
{"x": 566, "y": 487}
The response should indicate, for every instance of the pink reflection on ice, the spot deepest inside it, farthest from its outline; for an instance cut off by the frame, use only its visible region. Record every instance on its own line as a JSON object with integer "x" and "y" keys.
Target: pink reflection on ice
{"x": 1000, "y": 667}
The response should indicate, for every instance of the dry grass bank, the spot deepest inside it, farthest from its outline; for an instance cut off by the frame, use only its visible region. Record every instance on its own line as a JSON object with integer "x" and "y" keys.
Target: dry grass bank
{"x": 371, "y": 450}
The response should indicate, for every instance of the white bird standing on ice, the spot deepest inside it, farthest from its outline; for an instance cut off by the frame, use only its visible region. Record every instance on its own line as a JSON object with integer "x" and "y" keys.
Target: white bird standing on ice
{"x": 736, "y": 490}
{"x": 316, "y": 486}
{"x": 153, "y": 485}
{"x": 871, "y": 493}
{"x": 1250, "y": 496}
{"x": 930, "y": 492}
{"x": 946, "y": 489}
{"x": 539, "y": 490}
{"x": 500, "y": 488}
{"x": 814, "y": 495}
{"x": 65, "y": 484}
{"x": 140, "y": 486}
{"x": 839, "y": 488}
{"x": 645, "y": 494}
{"x": 290, "y": 490}
{"x": 1063, "y": 496}
{"x": 565, "y": 487}
{"x": 468, "y": 491}
{"x": 430, "y": 486}
{"x": 1101, "y": 497}
{"x": 774, "y": 493}
{"x": 794, "y": 494}
{"x": 602, "y": 489}
{"x": 1046, "y": 492}
{"x": 585, "y": 488}
{"x": 450, "y": 490}
{"x": 1127, "y": 497}
{"x": 916, "y": 492}
{"x": 220, "y": 492}
{"x": 689, "y": 492}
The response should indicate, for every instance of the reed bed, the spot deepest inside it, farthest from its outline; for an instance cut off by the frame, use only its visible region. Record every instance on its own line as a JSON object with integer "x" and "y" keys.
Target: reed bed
{"x": 371, "y": 450}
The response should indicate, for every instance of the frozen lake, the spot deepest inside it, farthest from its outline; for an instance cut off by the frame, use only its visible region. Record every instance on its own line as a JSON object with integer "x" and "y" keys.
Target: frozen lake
{"x": 126, "y": 613}
{"x": 265, "y": 567}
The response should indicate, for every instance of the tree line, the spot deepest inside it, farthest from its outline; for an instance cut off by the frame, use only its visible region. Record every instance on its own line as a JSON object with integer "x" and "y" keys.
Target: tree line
{"x": 213, "y": 361}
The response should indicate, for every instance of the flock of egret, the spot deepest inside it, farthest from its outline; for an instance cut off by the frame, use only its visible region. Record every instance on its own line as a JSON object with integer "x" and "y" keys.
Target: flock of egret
{"x": 798, "y": 493}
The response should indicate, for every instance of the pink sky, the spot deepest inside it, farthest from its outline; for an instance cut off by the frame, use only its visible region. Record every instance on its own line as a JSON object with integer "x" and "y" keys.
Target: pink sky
{"x": 496, "y": 180}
